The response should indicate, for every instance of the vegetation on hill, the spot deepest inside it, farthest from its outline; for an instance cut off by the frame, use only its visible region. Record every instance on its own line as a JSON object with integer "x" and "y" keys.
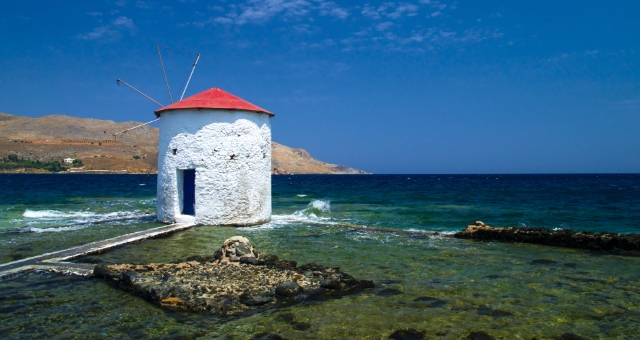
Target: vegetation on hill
{"x": 14, "y": 162}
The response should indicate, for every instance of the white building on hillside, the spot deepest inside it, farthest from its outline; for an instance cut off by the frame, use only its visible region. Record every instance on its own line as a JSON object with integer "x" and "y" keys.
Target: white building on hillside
{"x": 214, "y": 161}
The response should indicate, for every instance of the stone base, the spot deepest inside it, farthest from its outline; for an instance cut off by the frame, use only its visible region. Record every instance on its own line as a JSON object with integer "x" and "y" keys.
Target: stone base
{"x": 206, "y": 284}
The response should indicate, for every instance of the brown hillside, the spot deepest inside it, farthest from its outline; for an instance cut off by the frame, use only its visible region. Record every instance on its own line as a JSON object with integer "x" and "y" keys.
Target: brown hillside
{"x": 57, "y": 137}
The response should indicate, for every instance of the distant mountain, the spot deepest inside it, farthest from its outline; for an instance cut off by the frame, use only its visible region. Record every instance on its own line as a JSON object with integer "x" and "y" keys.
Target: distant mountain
{"x": 57, "y": 137}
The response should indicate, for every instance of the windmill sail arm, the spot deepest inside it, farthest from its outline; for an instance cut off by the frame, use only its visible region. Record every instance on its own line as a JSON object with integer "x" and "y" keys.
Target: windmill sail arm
{"x": 140, "y": 92}
{"x": 135, "y": 127}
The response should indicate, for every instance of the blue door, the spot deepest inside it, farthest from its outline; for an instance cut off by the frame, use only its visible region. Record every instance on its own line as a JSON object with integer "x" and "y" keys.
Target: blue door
{"x": 189, "y": 192}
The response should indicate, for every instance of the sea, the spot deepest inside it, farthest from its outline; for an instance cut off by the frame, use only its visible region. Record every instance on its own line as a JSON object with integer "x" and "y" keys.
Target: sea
{"x": 445, "y": 287}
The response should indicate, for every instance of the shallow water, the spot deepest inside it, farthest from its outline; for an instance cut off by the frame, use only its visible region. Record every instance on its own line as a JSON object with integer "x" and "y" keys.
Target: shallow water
{"x": 506, "y": 290}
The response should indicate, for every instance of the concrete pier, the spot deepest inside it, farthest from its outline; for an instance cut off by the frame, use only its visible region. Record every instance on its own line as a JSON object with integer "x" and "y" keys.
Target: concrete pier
{"x": 55, "y": 261}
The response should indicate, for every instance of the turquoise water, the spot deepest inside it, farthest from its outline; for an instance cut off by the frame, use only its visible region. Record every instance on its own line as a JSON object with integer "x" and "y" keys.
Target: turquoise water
{"x": 493, "y": 287}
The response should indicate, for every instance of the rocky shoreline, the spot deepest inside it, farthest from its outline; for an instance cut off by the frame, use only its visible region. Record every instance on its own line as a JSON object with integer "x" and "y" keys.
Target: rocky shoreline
{"x": 608, "y": 242}
{"x": 237, "y": 280}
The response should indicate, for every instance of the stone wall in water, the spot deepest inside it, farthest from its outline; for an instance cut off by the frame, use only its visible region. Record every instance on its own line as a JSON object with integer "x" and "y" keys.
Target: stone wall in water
{"x": 552, "y": 237}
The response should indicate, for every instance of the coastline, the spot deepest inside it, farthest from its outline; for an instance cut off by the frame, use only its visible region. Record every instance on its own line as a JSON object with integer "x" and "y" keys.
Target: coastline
{"x": 126, "y": 172}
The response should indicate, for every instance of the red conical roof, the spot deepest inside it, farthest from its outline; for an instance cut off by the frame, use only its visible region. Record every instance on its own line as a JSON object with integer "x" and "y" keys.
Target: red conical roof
{"x": 214, "y": 98}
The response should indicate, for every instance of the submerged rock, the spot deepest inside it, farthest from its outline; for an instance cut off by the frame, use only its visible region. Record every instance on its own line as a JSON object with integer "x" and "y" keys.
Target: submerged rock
{"x": 570, "y": 336}
{"x": 407, "y": 334}
{"x": 552, "y": 237}
{"x": 430, "y": 302}
{"x": 301, "y": 326}
{"x": 546, "y": 262}
{"x": 496, "y": 313}
{"x": 267, "y": 336}
{"x": 389, "y": 292}
{"x": 288, "y": 288}
{"x": 237, "y": 280}
{"x": 479, "y": 336}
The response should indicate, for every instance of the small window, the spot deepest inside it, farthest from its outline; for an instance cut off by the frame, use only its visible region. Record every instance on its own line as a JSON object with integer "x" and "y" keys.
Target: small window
{"x": 175, "y": 151}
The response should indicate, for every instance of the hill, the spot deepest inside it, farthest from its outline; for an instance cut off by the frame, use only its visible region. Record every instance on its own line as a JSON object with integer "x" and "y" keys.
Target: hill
{"x": 56, "y": 137}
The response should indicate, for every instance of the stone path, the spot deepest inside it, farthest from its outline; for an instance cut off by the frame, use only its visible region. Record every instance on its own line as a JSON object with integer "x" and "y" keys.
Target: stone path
{"x": 55, "y": 261}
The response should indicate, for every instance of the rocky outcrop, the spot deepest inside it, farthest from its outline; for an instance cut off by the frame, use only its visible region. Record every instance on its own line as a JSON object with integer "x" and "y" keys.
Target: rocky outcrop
{"x": 236, "y": 280}
{"x": 551, "y": 237}
{"x": 290, "y": 161}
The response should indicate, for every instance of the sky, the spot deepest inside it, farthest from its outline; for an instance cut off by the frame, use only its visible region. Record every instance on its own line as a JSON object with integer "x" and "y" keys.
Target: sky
{"x": 426, "y": 86}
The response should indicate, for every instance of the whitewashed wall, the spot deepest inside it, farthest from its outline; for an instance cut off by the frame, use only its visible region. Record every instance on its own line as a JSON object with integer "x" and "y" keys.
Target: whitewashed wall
{"x": 231, "y": 152}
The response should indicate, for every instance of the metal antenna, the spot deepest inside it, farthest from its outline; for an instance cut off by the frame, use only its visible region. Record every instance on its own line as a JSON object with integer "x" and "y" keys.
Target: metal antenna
{"x": 191, "y": 74}
{"x": 135, "y": 89}
{"x": 165, "y": 73}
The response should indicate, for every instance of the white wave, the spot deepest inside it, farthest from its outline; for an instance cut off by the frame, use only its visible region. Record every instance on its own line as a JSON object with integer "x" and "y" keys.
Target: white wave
{"x": 265, "y": 226}
{"x": 301, "y": 195}
{"x": 428, "y": 232}
{"x": 52, "y": 230}
{"x": 299, "y": 217}
{"x": 80, "y": 217}
{"x": 308, "y": 214}
{"x": 322, "y": 205}
{"x": 54, "y": 214}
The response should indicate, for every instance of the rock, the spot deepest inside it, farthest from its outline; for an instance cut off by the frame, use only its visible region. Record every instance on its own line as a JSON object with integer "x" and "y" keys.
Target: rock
{"x": 478, "y": 336}
{"x": 267, "y": 336}
{"x": 129, "y": 278}
{"x": 543, "y": 262}
{"x": 431, "y": 302}
{"x": 201, "y": 258}
{"x": 330, "y": 284}
{"x": 283, "y": 264}
{"x": 389, "y": 292}
{"x": 249, "y": 260}
{"x": 570, "y": 336}
{"x": 270, "y": 259}
{"x": 288, "y": 288}
{"x": 227, "y": 287}
{"x": 172, "y": 301}
{"x": 388, "y": 282}
{"x": 366, "y": 284}
{"x": 101, "y": 271}
{"x": 235, "y": 248}
{"x": 255, "y": 297}
{"x": 286, "y": 317}
{"x": 407, "y": 334}
{"x": 258, "y": 301}
{"x": 495, "y": 313}
{"x": 301, "y": 326}
{"x": 610, "y": 242}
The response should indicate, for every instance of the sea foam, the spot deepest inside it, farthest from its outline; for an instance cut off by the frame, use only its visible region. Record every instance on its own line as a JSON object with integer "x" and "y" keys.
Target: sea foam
{"x": 80, "y": 217}
{"x": 311, "y": 214}
{"x": 52, "y": 230}
{"x": 54, "y": 214}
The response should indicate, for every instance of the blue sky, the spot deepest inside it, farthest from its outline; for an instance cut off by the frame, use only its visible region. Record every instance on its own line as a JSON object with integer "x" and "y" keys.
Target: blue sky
{"x": 421, "y": 86}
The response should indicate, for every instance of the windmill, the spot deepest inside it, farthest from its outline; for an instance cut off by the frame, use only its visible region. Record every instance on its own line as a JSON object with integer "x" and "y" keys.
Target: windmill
{"x": 120, "y": 81}
{"x": 214, "y": 157}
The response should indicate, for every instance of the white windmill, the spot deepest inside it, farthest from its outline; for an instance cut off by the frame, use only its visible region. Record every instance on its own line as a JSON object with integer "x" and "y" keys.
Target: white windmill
{"x": 214, "y": 158}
